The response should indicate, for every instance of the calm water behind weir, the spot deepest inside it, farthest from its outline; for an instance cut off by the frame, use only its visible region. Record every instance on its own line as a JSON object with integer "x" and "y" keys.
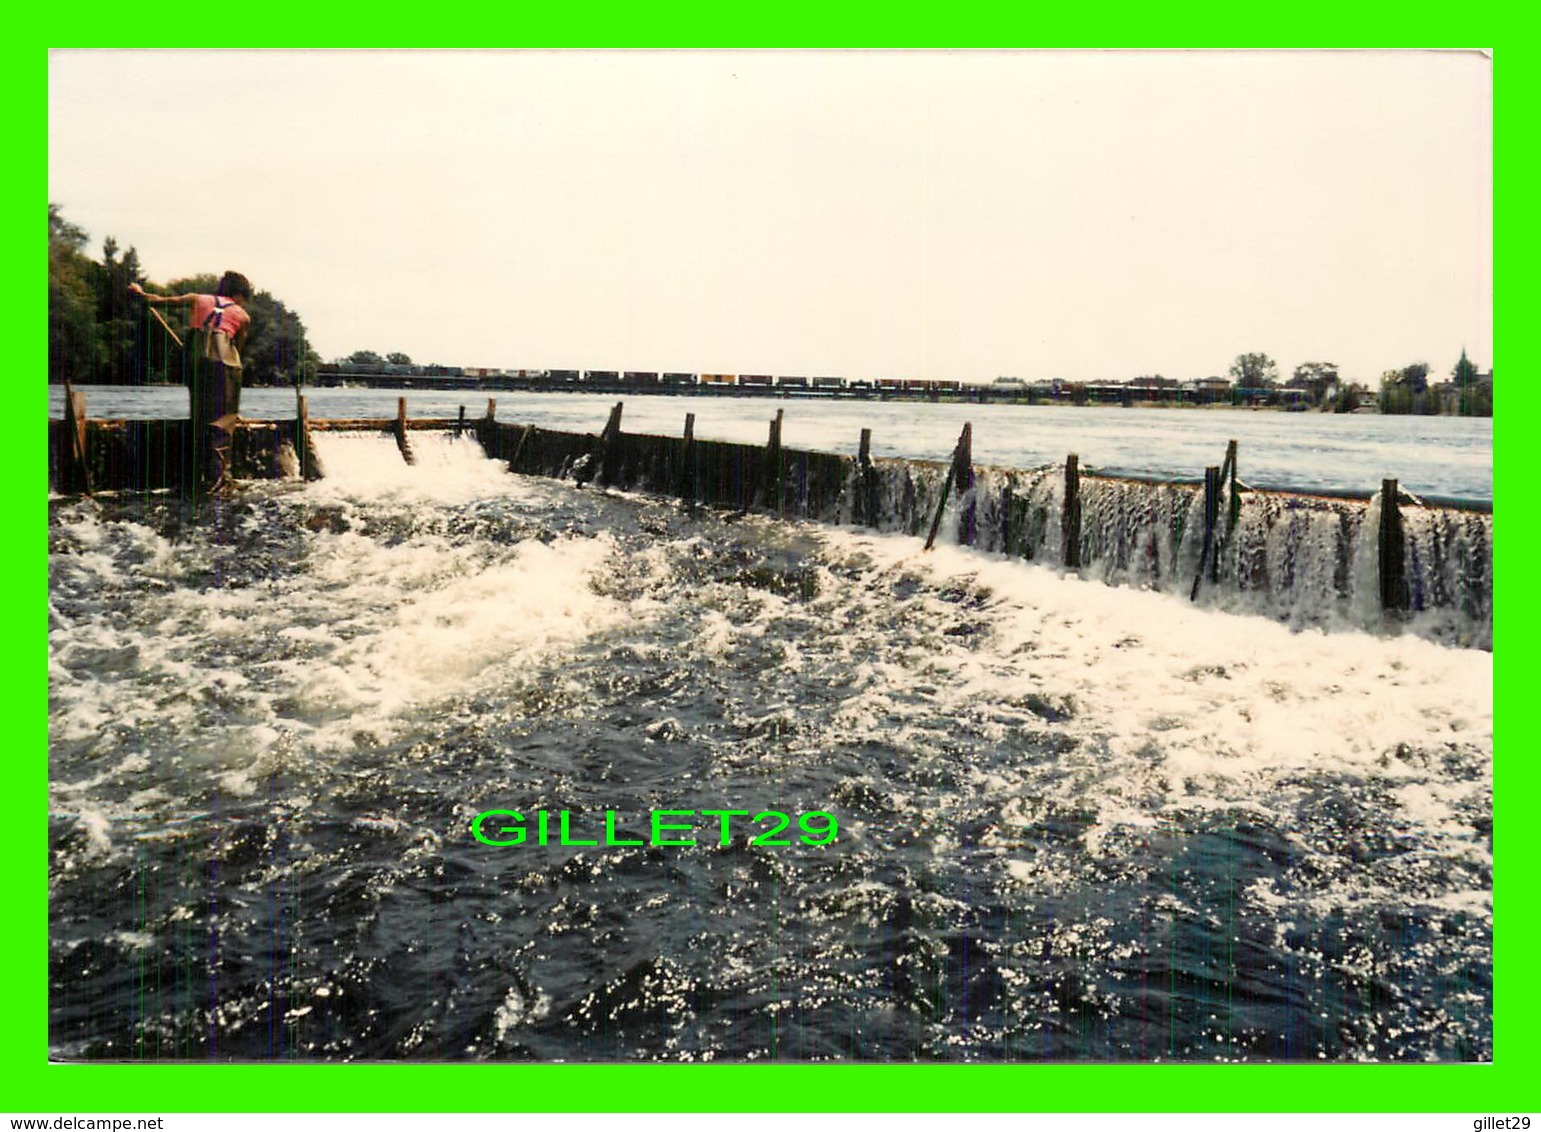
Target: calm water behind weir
{"x": 1076, "y": 821}
{"x": 1442, "y": 456}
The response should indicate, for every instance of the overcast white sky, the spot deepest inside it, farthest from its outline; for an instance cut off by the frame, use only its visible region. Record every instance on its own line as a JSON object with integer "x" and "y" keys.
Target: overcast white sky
{"x": 967, "y": 215}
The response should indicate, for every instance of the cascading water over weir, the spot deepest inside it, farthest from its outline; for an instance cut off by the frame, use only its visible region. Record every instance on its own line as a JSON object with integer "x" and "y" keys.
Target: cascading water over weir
{"x": 1309, "y": 560}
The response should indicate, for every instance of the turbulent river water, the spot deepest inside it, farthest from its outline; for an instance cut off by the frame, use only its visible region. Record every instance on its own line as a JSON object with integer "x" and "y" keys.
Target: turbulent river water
{"x": 1075, "y": 821}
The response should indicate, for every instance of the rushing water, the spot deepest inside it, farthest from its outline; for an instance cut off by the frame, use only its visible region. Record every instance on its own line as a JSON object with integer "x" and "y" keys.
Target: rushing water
{"x": 1076, "y": 821}
{"x": 1442, "y": 456}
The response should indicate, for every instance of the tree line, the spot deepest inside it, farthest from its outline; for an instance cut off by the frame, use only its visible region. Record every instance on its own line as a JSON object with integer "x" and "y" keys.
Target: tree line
{"x": 1468, "y": 393}
{"x": 100, "y": 334}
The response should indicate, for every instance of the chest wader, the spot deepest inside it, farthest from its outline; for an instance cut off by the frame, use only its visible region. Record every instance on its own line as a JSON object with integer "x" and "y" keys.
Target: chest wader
{"x": 213, "y": 373}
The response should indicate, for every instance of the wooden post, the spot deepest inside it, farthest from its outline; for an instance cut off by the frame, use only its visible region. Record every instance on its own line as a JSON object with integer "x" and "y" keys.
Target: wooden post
{"x": 460, "y": 422}
{"x": 1213, "y": 479}
{"x": 954, "y": 474}
{"x": 302, "y": 448}
{"x": 401, "y": 431}
{"x": 609, "y": 445}
{"x": 1070, "y": 521}
{"x": 687, "y": 485}
{"x": 1008, "y": 502}
{"x": 963, "y": 474}
{"x": 492, "y": 408}
{"x": 867, "y": 494}
{"x": 1393, "y": 584}
{"x": 773, "y": 463}
{"x": 1208, "y": 555}
{"x": 76, "y": 468}
{"x": 1233, "y": 506}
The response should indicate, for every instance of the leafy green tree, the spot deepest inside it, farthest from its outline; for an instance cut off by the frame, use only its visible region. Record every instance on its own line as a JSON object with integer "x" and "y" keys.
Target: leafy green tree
{"x": 277, "y": 351}
{"x": 71, "y": 302}
{"x": 123, "y": 342}
{"x": 365, "y": 358}
{"x": 398, "y": 359}
{"x": 1465, "y": 372}
{"x": 1254, "y": 371}
{"x": 1317, "y": 378}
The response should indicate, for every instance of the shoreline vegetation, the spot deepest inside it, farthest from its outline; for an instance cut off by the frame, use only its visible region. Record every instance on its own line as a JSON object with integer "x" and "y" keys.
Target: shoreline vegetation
{"x": 99, "y": 333}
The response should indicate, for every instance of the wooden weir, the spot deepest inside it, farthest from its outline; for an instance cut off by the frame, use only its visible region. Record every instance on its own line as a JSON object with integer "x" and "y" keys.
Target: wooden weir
{"x": 154, "y": 455}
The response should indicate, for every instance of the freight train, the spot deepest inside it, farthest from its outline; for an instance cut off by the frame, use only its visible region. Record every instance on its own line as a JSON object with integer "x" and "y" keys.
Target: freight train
{"x": 423, "y": 376}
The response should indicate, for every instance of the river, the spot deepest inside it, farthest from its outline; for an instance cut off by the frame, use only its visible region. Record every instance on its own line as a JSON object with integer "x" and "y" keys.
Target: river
{"x": 1075, "y": 821}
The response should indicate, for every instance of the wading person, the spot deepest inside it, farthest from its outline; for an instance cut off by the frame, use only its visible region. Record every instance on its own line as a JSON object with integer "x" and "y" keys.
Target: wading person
{"x": 217, "y": 326}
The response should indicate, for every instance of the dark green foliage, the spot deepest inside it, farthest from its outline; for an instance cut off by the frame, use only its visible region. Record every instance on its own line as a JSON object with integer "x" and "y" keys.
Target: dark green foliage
{"x": 71, "y": 302}
{"x": 1407, "y": 391}
{"x": 1320, "y": 379}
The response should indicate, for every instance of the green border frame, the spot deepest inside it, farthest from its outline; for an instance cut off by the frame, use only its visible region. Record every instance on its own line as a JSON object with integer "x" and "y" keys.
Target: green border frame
{"x": 33, "y": 1085}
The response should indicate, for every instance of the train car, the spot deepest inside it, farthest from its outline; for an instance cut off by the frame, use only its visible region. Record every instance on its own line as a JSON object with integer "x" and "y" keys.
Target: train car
{"x": 859, "y": 383}
{"x": 947, "y": 386}
{"x": 601, "y": 377}
{"x": 562, "y": 376}
{"x": 791, "y": 383}
{"x": 641, "y": 377}
{"x": 829, "y": 383}
{"x": 755, "y": 380}
{"x": 916, "y": 385}
{"x": 679, "y": 379}
{"x": 718, "y": 379}
{"x": 892, "y": 383}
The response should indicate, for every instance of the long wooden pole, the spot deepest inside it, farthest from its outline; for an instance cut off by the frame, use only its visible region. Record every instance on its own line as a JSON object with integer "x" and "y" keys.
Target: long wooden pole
{"x": 164, "y": 323}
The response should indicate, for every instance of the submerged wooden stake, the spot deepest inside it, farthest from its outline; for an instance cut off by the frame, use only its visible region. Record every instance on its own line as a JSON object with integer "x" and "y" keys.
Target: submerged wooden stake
{"x": 401, "y": 431}
{"x": 866, "y": 492}
{"x": 687, "y": 484}
{"x": 613, "y": 425}
{"x": 1233, "y": 507}
{"x": 1070, "y": 521}
{"x": 773, "y": 463}
{"x": 609, "y": 446}
{"x": 1393, "y": 582}
{"x": 1208, "y": 554}
{"x": 460, "y": 422}
{"x": 963, "y": 475}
